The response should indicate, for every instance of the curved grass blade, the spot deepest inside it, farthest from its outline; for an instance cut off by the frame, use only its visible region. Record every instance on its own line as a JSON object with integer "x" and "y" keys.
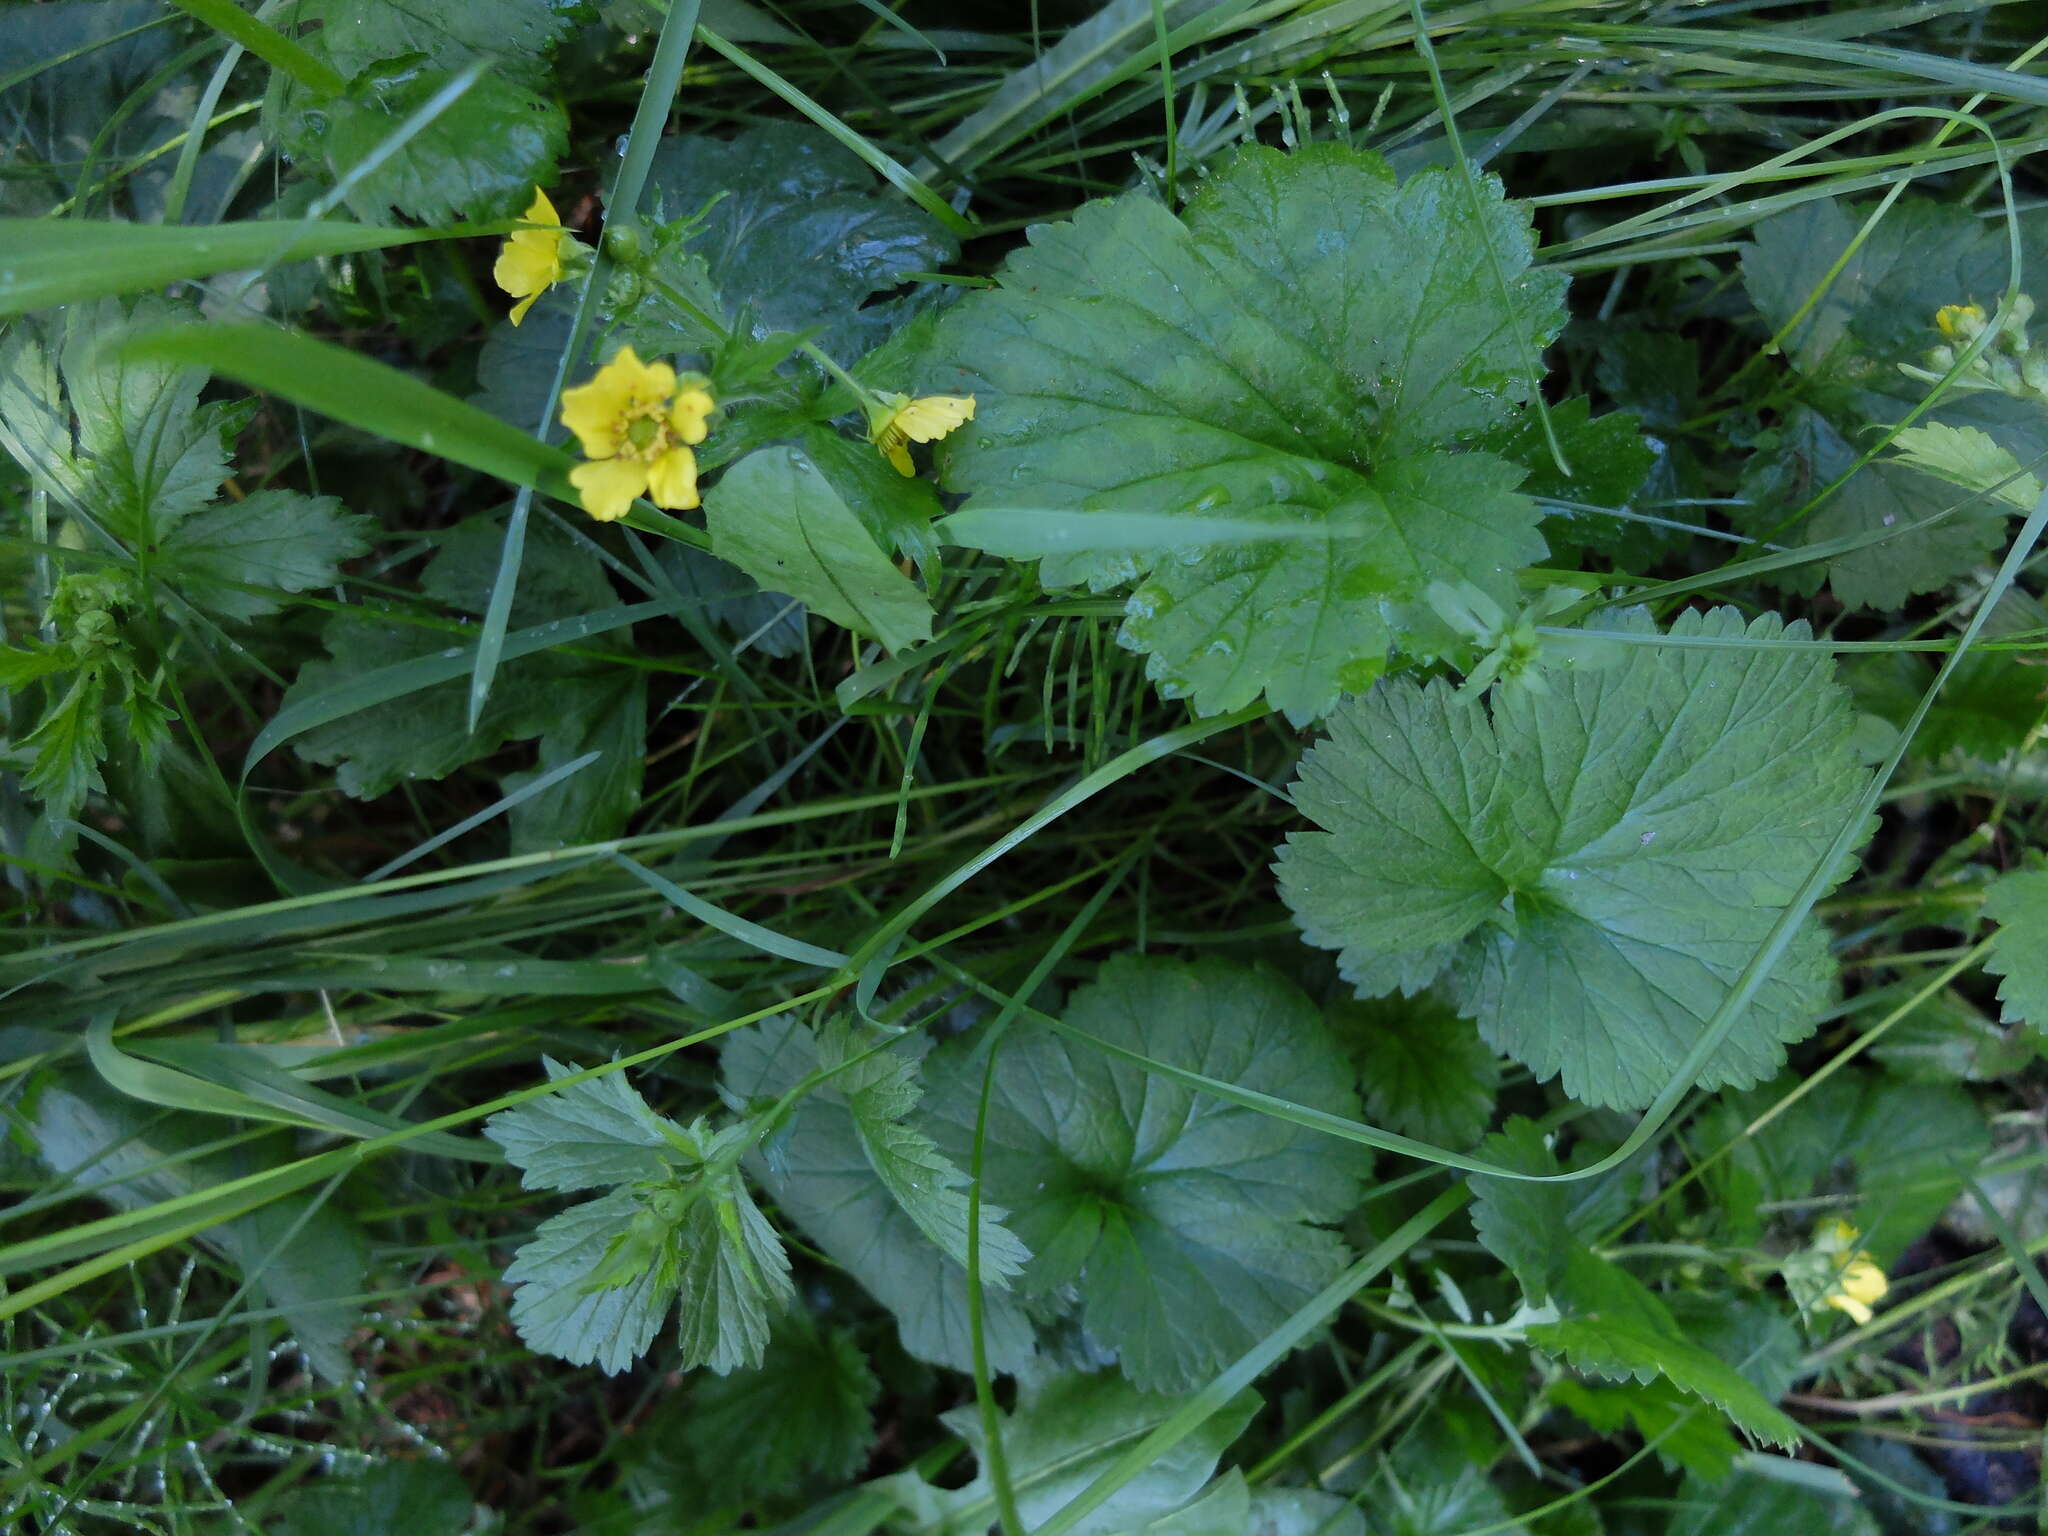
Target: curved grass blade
{"x": 60, "y": 261}
{"x": 370, "y": 395}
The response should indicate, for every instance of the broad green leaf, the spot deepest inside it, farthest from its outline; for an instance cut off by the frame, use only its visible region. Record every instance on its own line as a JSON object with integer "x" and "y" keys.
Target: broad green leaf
{"x": 272, "y": 539}
{"x": 64, "y": 261}
{"x": 797, "y": 234}
{"x": 821, "y": 1174}
{"x": 1422, "y": 1069}
{"x": 777, "y": 517}
{"x": 1593, "y": 866}
{"x": 418, "y": 1496}
{"x": 1909, "y": 1147}
{"x": 1186, "y": 1225}
{"x": 1877, "y": 313}
{"x": 1305, "y": 1512}
{"x": 2018, "y": 903}
{"x": 1808, "y": 452}
{"x": 557, "y": 1312}
{"x": 804, "y": 1414}
{"x": 1752, "y": 1504}
{"x": 1614, "y": 1326}
{"x": 1064, "y": 1432}
{"x": 734, "y": 601}
{"x": 311, "y": 1255}
{"x": 584, "y": 1136}
{"x": 481, "y": 158}
{"x": 735, "y": 1277}
{"x": 574, "y": 706}
{"x": 1609, "y": 460}
{"x": 1304, "y": 349}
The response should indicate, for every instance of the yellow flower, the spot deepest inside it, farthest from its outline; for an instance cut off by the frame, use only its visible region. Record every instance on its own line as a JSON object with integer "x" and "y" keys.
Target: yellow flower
{"x": 636, "y": 427}
{"x": 1856, "y": 1281}
{"x": 897, "y": 421}
{"x": 530, "y": 261}
{"x": 1959, "y": 322}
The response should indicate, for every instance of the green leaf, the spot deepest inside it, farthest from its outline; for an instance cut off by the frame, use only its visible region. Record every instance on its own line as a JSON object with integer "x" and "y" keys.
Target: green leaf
{"x": 734, "y": 1276}
{"x": 1423, "y": 1069}
{"x": 1609, "y": 461}
{"x": 1688, "y": 1437}
{"x": 881, "y": 1093}
{"x": 1305, "y": 1512}
{"x": 2018, "y": 903}
{"x": 1808, "y": 452}
{"x": 797, "y": 234}
{"x": 1186, "y": 1224}
{"x": 777, "y": 517}
{"x": 555, "y": 1309}
{"x": 1594, "y": 866}
{"x": 311, "y": 1253}
{"x": 584, "y": 1136}
{"x": 275, "y": 539}
{"x": 68, "y": 743}
{"x": 1991, "y": 701}
{"x": 804, "y": 1414}
{"x": 822, "y": 1175}
{"x": 1614, "y": 1327}
{"x": 1534, "y": 1229}
{"x": 1305, "y": 348}
{"x": 1967, "y": 457}
{"x": 419, "y": 1497}
{"x": 1944, "y": 1039}
{"x": 1753, "y": 1504}
{"x": 146, "y": 454}
{"x": 1910, "y": 1145}
{"x": 573, "y": 705}
{"x": 1063, "y": 1433}
{"x": 481, "y": 157}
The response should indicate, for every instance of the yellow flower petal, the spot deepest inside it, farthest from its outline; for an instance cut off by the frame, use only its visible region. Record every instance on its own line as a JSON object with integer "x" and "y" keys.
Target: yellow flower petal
{"x": 672, "y": 480}
{"x": 530, "y": 261}
{"x": 931, "y": 417}
{"x": 541, "y": 211}
{"x": 893, "y": 449}
{"x": 1959, "y": 320}
{"x": 691, "y": 415}
{"x": 608, "y": 486}
{"x": 1858, "y": 1312}
{"x": 600, "y": 411}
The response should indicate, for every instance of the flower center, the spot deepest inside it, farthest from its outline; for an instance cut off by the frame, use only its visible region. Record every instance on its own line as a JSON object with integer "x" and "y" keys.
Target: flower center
{"x": 644, "y": 433}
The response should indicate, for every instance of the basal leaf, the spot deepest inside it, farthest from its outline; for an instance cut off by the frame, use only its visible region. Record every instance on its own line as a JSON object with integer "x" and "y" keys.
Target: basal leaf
{"x": 812, "y": 1377}
{"x": 1687, "y": 1435}
{"x": 1755, "y": 1504}
{"x": 1805, "y": 454}
{"x": 585, "y": 1136}
{"x": 797, "y": 234}
{"x": 734, "y": 1277}
{"x": 274, "y": 539}
{"x": 1616, "y": 1327}
{"x": 1422, "y": 1068}
{"x": 777, "y": 516}
{"x": 420, "y": 1497}
{"x": 1064, "y": 1432}
{"x": 821, "y": 1174}
{"x": 1314, "y": 344}
{"x": 353, "y": 35}
{"x": 1534, "y": 1229}
{"x": 2018, "y": 903}
{"x": 1187, "y": 1225}
{"x": 1593, "y": 866}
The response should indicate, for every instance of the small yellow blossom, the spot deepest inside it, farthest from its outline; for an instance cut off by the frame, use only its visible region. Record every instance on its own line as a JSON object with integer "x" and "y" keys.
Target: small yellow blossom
{"x": 897, "y": 421}
{"x": 636, "y": 427}
{"x": 1959, "y": 322}
{"x": 1856, "y": 1281}
{"x": 531, "y": 261}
